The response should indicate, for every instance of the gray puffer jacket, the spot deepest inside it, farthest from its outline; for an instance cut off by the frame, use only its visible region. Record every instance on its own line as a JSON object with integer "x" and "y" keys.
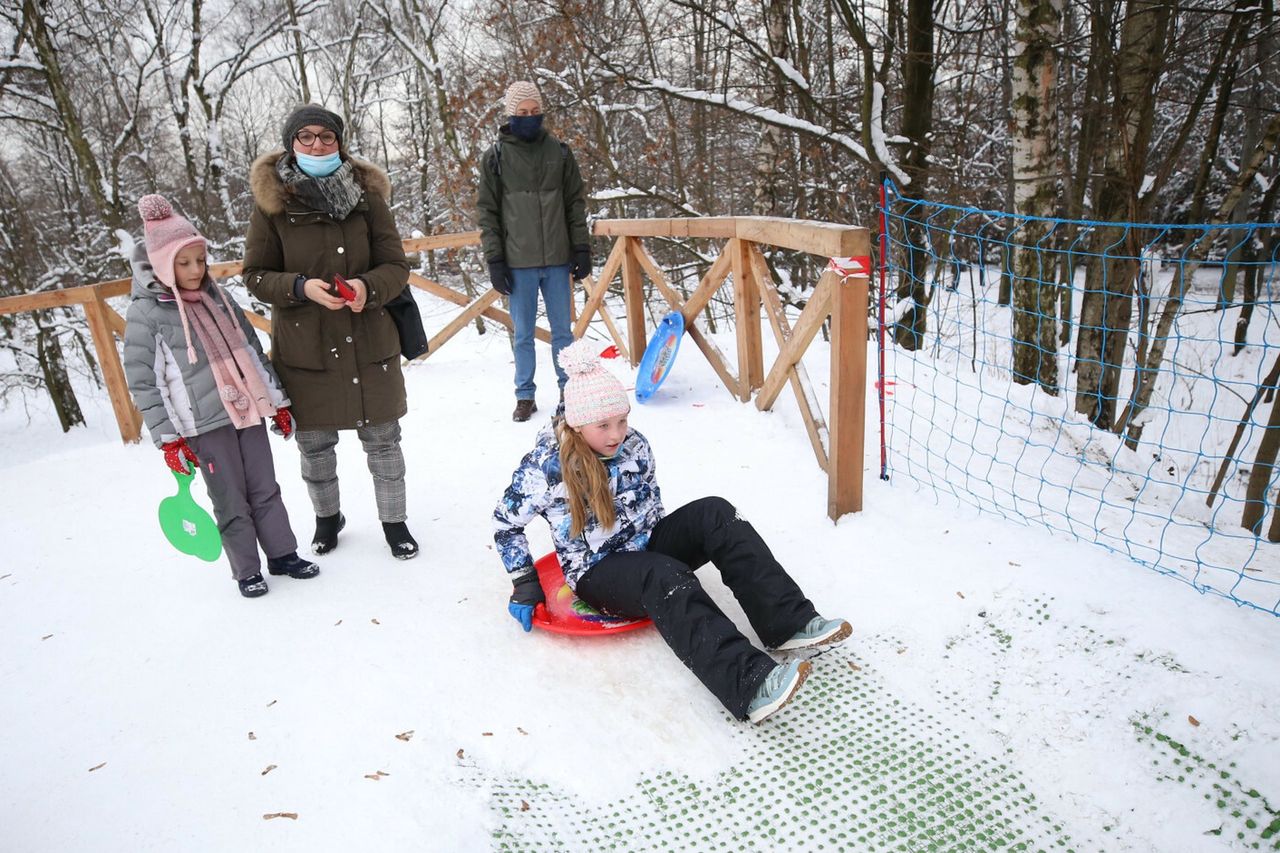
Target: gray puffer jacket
{"x": 177, "y": 398}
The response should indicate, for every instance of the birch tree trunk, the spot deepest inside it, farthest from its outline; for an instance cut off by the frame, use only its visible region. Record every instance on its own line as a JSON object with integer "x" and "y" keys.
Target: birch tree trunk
{"x": 1035, "y": 153}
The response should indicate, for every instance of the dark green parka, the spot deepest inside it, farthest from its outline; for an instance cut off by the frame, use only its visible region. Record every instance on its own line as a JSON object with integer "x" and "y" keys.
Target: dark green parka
{"x": 341, "y": 369}
{"x": 534, "y": 213}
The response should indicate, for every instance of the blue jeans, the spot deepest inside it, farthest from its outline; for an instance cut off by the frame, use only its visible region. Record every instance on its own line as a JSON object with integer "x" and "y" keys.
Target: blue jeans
{"x": 557, "y": 296}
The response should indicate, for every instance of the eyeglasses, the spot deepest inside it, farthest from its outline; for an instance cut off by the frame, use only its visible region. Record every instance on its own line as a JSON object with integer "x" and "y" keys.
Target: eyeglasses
{"x": 306, "y": 137}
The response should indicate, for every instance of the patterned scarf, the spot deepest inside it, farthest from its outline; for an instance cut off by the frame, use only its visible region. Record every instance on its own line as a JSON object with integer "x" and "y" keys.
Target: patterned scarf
{"x": 336, "y": 194}
{"x": 240, "y": 386}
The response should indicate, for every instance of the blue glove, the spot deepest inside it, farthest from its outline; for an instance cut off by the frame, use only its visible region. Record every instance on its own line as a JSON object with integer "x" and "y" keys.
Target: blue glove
{"x": 522, "y": 613}
{"x": 526, "y": 594}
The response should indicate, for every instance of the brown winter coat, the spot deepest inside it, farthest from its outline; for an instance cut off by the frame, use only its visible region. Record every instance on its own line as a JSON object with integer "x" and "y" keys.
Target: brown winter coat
{"x": 341, "y": 369}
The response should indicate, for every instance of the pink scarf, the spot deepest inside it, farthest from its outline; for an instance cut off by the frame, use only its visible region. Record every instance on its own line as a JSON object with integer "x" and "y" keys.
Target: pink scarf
{"x": 235, "y": 371}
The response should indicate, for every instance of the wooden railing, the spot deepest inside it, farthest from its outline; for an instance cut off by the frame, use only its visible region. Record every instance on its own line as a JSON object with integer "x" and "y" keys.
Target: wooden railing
{"x": 842, "y": 298}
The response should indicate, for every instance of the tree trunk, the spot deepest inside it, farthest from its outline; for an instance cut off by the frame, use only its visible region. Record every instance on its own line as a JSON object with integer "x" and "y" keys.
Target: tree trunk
{"x": 1108, "y": 297}
{"x": 1264, "y": 463}
{"x": 1034, "y": 110}
{"x": 56, "y": 381}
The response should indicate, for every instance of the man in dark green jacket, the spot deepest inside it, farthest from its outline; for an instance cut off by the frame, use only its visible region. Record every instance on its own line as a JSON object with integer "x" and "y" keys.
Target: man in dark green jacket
{"x": 534, "y": 226}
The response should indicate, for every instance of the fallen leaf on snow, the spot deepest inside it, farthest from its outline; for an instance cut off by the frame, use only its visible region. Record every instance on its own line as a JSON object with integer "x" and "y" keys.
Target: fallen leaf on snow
{"x": 524, "y": 807}
{"x": 959, "y": 593}
{"x": 336, "y": 624}
{"x": 270, "y": 767}
{"x": 460, "y": 753}
{"x": 272, "y": 702}
{"x": 1192, "y": 720}
{"x": 375, "y": 621}
{"x": 252, "y": 736}
{"x": 855, "y": 667}
{"x": 902, "y": 650}
{"x": 376, "y": 775}
{"x": 405, "y": 735}
{"x": 521, "y": 731}
{"x": 97, "y": 766}
{"x": 46, "y": 636}
{"x": 486, "y": 734}
{"x": 271, "y": 815}
{"x": 1012, "y": 563}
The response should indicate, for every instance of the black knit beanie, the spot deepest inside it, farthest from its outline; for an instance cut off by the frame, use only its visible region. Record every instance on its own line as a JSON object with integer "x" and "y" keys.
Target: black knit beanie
{"x": 309, "y": 114}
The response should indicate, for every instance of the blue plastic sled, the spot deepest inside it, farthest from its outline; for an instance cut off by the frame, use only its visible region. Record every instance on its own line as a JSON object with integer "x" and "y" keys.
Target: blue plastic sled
{"x": 659, "y": 355}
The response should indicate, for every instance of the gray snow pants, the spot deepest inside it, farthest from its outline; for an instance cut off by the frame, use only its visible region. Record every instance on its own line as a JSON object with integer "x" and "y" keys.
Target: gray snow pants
{"x": 241, "y": 479}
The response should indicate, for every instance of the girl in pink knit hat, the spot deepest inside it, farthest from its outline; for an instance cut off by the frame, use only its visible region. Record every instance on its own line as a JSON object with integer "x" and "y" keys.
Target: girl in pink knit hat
{"x": 206, "y": 391}
{"x": 592, "y": 478}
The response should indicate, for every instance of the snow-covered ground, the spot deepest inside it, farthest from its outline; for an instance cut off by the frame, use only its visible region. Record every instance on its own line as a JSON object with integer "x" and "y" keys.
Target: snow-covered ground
{"x": 1078, "y": 700}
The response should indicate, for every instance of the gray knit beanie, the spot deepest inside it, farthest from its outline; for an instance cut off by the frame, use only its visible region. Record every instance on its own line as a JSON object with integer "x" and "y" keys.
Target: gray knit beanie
{"x": 521, "y": 90}
{"x": 309, "y": 114}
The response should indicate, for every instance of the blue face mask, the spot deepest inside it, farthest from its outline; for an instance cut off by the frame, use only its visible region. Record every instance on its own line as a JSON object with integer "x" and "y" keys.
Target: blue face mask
{"x": 526, "y": 127}
{"x": 318, "y": 167}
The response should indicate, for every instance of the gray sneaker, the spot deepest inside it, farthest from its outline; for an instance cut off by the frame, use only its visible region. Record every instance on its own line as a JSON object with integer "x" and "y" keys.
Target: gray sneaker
{"x": 776, "y": 690}
{"x": 818, "y": 632}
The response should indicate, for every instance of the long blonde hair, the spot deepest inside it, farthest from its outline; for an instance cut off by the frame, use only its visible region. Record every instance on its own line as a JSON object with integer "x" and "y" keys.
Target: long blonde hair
{"x": 586, "y": 482}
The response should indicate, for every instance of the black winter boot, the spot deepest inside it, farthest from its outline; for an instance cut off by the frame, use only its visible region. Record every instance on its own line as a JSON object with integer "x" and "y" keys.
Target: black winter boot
{"x": 253, "y": 586}
{"x": 326, "y": 538}
{"x": 293, "y": 566}
{"x": 403, "y": 545}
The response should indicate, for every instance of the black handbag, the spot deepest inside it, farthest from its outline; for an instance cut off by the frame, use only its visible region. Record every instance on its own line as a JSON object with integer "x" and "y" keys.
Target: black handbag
{"x": 404, "y": 313}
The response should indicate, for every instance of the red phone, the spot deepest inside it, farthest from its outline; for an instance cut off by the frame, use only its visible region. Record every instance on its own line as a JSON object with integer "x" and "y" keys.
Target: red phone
{"x": 344, "y": 289}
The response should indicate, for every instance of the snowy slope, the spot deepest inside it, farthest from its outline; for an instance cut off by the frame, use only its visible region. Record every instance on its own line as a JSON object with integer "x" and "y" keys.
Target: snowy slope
{"x": 142, "y": 701}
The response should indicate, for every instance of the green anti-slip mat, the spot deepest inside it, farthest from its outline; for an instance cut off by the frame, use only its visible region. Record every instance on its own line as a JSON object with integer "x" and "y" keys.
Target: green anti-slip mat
{"x": 186, "y": 525}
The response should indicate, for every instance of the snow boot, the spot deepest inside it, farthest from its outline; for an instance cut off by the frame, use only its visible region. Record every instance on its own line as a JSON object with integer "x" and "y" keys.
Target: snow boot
{"x": 253, "y": 586}
{"x": 327, "y": 528}
{"x": 818, "y": 632}
{"x": 403, "y": 545}
{"x": 524, "y": 410}
{"x": 776, "y": 690}
{"x": 293, "y": 566}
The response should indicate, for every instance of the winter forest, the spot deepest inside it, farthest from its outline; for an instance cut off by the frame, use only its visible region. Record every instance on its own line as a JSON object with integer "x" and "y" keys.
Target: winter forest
{"x": 1138, "y": 111}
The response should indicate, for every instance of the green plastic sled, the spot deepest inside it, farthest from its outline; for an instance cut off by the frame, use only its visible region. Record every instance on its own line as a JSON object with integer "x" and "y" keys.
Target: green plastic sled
{"x": 186, "y": 525}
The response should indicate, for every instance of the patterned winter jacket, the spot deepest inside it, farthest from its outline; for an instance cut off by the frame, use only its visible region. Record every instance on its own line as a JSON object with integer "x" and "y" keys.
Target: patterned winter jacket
{"x": 538, "y": 489}
{"x": 176, "y": 398}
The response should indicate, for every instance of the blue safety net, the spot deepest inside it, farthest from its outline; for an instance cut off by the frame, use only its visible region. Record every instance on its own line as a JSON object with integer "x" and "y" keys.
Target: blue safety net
{"x": 1114, "y": 382}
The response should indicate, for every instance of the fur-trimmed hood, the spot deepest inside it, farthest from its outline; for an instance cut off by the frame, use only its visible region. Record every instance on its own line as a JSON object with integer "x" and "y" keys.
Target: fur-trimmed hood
{"x": 270, "y": 193}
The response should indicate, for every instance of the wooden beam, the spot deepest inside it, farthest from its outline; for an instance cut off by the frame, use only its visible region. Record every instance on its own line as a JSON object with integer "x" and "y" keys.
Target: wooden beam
{"x": 807, "y": 325}
{"x": 806, "y": 400}
{"x": 596, "y": 292}
{"x": 633, "y": 296}
{"x": 848, "y": 391}
{"x": 128, "y": 418}
{"x": 746, "y": 310}
{"x": 258, "y": 321}
{"x": 458, "y": 323}
{"x": 441, "y": 241}
{"x": 492, "y": 312}
{"x": 827, "y": 239}
{"x": 115, "y": 321}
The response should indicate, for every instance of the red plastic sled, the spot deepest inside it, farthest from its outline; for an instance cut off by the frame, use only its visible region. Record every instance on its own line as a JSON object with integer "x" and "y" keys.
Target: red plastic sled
{"x": 564, "y": 613}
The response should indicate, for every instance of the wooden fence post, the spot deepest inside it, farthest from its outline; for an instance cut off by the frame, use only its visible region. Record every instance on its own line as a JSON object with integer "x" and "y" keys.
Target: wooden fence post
{"x": 128, "y": 417}
{"x": 848, "y": 408}
{"x": 633, "y": 293}
{"x": 746, "y": 310}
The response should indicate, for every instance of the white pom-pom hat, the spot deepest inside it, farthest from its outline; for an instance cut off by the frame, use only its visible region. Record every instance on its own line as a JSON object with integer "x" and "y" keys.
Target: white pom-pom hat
{"x": 592, "y": 394}
{"x": 167, "y": 235}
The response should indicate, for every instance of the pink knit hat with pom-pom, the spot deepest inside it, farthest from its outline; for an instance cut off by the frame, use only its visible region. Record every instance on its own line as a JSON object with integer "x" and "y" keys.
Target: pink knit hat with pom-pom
{"x": 167, "y": 234}
{"x": 592, "y": 393}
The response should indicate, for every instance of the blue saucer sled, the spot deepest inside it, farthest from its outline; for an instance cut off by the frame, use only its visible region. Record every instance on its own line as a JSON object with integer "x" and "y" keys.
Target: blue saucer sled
{"x": 659, "y": 355}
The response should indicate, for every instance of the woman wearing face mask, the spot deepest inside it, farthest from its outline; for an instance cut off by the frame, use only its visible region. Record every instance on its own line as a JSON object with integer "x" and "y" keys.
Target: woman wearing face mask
{"x": 533, "y": 221}
{"x": 320, "y": 213}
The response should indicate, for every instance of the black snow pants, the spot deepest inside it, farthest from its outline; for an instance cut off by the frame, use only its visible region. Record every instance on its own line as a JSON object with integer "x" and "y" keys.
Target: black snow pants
{"x": 660, "y": 583}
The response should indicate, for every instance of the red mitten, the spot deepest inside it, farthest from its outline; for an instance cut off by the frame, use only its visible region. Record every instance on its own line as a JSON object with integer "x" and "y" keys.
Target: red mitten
{"x": 177, "y": 454}
{"x": 282, "y": 422}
